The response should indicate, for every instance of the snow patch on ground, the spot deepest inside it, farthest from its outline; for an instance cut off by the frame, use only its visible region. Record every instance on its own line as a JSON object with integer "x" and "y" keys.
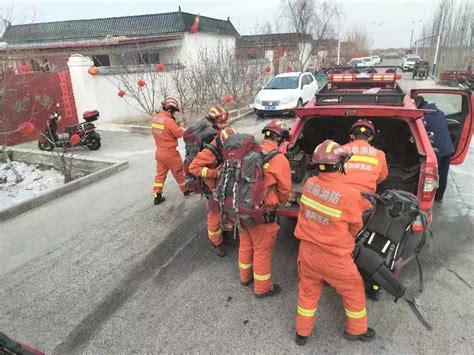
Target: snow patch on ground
{"x": 36, "y": 180}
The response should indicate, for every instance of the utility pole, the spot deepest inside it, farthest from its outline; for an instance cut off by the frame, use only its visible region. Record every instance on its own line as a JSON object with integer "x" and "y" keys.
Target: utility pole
{"x": 339, "y": 50}
{"x": 435, "y": 60}
{"x": 411, "y": 38}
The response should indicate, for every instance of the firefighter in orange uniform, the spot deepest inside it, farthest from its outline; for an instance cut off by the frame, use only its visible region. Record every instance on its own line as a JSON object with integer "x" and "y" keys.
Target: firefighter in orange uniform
{"x": 166, "y": 133}
{"x": 207, "y": 164}
{"x": 330, "y": 217}
{"x": 257, "y": 243}
{"x": 367, "y": 166}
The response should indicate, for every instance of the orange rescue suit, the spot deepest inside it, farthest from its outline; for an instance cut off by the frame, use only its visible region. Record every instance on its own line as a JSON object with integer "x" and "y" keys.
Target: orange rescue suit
{"x": 257, "y": 243}
{"x": 329, "y": 218}
{"x": 166, "y": 133}
{"x": 206, "y": 165}
{"x": 366, "y": 168}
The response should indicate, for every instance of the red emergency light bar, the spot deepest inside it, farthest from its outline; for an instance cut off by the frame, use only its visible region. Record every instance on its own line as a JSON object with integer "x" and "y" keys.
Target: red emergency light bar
{"x": 363, "y": 77}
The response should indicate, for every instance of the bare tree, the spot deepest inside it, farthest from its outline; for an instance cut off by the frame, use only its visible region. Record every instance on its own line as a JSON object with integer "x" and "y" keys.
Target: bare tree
{"x": 313, "y": 21}
{"x": 359, "y": 42}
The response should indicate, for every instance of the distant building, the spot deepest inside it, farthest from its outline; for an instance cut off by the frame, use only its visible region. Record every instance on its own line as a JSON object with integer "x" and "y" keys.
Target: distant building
{"x": 280, "y": 49}
{"x": 160, "y": 38}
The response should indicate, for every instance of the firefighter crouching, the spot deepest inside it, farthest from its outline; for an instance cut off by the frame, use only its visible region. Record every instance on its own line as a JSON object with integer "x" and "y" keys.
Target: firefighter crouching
{"x": 166, "y": 132}
{"x": 257, "y": 243}
{"x": 207, "y": 164}
{"x": 330, "y": 217}
{"x": 367, "y": 166}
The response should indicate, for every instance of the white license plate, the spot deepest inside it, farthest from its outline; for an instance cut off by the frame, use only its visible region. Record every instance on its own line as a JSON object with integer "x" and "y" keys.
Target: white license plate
{"x": 270, "y": 108}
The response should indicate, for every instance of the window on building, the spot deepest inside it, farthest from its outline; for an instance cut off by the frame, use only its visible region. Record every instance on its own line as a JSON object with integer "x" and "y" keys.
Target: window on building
{"x": 101, "y": 60}
{"x": 148, "y": 58}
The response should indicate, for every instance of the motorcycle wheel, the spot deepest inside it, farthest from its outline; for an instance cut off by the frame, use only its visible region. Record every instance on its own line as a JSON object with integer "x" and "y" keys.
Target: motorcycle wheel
{"x": 45, "y": 146}
{"x": 93, "y": 143}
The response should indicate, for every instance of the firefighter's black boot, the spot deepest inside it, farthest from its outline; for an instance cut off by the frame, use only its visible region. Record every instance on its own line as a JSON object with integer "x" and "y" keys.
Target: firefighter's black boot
{"x": 374, "y": 292}
{"x": 275, "y": 290}
{"x": 300, "y": 340}
{"x": 158, "y": 199}
{"x": 218, "y": 250}
{"x": 366, "y": 337}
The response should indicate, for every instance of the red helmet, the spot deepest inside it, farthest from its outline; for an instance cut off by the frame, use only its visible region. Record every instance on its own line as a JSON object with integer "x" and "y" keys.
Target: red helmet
{"x": 170, "y": 103}
{"x": 223, "y": 135}
{"x": 277, "y": 127}
{"x": 330, "y": 153}
{"x": 361, "y": 126}
{"x": 217, "y": 114}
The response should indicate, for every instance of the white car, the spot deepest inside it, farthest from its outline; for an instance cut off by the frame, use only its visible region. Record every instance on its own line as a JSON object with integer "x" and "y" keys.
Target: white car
{"x": 376, "y": 59}
{"x": 361, "y": 62}
{"x": 284, "y": 92}
{"x": 408, "y": 62}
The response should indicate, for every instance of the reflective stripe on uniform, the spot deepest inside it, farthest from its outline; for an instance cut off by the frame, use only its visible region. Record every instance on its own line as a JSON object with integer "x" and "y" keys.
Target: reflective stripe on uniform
{"x": 204, "y": 172}
{"x": 364, "y": 159}
{"x": 212, "y": 234}
{"x": 158, "y": 184}
{"x": 245, "y": 266}
{"x": 306, "y": 312}
{"x": 157, "y": 126}
{"x": 356, "y": 315}
{"x": 332, "y": 212}
{"x": 262, "y": 277}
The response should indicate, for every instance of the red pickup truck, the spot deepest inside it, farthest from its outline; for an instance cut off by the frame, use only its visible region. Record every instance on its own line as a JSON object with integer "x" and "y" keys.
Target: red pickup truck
{"x": 411, "y": 160}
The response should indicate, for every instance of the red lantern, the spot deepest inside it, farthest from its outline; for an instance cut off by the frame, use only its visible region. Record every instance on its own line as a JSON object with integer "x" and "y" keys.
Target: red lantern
{"x": 160, "y": 67}
{"x": 228, "y": 99}
{"x": 93, "y": 71}
{"x": 268, "y": 69}
{"x": 121, "y": 93}
{"x": 141, "y": 83}
{"x": 26, "y": 127}
{"x": 290, "y": 68}
{"x": 75, "y": 139}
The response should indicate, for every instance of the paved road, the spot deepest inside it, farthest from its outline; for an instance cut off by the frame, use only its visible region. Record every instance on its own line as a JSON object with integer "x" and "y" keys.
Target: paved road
{"x": 102, "y": 270}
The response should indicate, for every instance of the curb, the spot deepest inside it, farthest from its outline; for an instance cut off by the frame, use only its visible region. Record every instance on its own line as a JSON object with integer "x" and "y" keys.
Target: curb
{"x": 48, "y": 196}
{"x": 239, "y": 117}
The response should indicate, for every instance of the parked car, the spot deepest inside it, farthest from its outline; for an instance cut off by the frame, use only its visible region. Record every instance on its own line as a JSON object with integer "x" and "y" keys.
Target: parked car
{"x": 361, "y": 62}
{"x": 284, "y": 92}
{"x": 408, "y": 62}
{"x": 401, "y": 134}
{"x": 376, "y": 59}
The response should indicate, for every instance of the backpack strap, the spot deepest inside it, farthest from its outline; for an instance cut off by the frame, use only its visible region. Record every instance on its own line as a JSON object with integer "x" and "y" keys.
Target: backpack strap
{"x": 270, "y": 155}
{"x": 214, "y": 151}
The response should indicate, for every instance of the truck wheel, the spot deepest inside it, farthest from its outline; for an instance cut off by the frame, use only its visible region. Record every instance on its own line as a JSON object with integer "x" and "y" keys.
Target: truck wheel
{"x": 93, "y": 143}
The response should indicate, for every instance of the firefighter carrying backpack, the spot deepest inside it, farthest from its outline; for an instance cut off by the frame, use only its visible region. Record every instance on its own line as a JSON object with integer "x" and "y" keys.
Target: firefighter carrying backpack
{"x": 196, "y": 138}
{"x": 240, "y": 189}
{"x": 385, "y": 245}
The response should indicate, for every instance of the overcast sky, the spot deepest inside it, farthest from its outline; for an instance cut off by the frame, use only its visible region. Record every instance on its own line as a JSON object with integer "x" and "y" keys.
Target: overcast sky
{"x": 390, "y": 22}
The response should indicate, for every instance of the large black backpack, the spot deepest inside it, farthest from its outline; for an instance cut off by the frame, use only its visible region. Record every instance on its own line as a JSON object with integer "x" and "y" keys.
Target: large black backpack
{"x": 196, "y": 138}
{"x": 385, "y": 244}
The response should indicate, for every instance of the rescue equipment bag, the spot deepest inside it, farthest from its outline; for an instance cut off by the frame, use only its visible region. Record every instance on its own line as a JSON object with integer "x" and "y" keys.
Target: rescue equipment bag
{"x": 240, "y": 188}
{"x": 196, "y": 138}
{"x": 385, "y": 244}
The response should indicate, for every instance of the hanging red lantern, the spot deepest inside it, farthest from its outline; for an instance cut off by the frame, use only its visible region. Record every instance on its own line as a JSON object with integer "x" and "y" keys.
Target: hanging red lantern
{"x": 26, "y": 127}
{"x": 228, "y": 99}
{"x": 141, "y": 83}
{"x": 268, "y": 69}
{"x": 75, "y": 139}
{"x": 93, "y": 71}
{"x": 160, "y": 67}
{"x": 289, "y": 68}
{"x": 121, "y": 93}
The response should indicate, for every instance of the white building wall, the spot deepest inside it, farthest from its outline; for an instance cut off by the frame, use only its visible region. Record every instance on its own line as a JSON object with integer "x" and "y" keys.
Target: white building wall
{"x": 194, "y": 43}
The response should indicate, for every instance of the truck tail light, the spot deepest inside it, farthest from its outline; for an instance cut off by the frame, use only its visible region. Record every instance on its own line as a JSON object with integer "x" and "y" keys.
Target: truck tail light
{"x": 430, "y": 184}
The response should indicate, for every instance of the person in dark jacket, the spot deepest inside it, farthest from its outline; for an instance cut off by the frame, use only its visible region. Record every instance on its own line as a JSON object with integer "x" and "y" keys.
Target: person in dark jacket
{"x": 436, "y": 122}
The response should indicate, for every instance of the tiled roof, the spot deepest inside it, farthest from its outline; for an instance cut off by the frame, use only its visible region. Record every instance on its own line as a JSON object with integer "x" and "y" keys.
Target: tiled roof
{"x": 273, "y": 39}
{"x": 129, "y": 26}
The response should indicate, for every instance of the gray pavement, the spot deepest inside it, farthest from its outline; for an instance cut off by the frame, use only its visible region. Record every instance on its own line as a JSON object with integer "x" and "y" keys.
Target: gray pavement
{"x": 102, "y": 270}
